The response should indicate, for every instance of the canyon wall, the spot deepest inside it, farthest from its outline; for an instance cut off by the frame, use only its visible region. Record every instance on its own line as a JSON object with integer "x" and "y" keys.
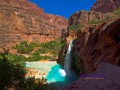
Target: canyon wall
{"x": 83, "y": 17}
{"x": 21, "y": 20}
{"x": 97, "y": 45}
{"x": 97, "y": 39}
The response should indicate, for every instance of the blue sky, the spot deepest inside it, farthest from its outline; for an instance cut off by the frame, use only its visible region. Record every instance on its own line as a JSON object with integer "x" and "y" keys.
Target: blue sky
{"x": 64, "y": 7}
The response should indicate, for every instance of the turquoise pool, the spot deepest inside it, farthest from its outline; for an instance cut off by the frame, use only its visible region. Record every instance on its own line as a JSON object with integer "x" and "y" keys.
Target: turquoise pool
{"x": 53, "y": 72}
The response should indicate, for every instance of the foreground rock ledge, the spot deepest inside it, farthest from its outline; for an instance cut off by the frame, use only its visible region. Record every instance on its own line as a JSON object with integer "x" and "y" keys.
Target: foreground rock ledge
{"x": 111, "y": 80}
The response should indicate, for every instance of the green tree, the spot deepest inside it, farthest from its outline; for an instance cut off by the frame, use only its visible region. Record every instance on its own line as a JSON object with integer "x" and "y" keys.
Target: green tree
{"x": 12, "y": 76}
{"x": 25, "y": 48}
{"x": 52, "y": 47}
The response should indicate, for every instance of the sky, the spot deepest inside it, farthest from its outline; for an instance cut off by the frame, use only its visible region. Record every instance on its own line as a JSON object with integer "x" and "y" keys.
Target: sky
{"x": 64, "y": 8}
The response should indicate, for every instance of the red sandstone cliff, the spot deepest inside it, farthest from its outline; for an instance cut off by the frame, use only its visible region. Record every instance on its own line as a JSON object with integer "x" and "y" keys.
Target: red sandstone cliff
{"x": 106, "y": 5}
{"x": 97, "y": 39}
{"x": 96, "y": 45}
{"x": 83, "y": 17}
{"x": 22, "y": 20}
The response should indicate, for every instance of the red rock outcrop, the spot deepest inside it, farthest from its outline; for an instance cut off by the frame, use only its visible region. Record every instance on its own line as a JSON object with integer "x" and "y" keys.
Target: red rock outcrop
{"x": 106, "y": 6}
{"x": 86, "y": 19}
{"x": 95, "y": 45}
{"x": 23, "y": 5}
{"x": 83, "y": 17}
{"x": 21, "y": 20}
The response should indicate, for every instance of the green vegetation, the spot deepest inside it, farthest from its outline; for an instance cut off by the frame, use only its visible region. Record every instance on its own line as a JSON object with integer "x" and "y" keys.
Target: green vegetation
{"x": 15, "y": 58}
{"x": 52, "y": 47}
{"x": 25, "y": 48}
{"x": 77, "y": 64}
{"x": 108, "y": 17}
{"x": 48, "y": 50}
{"x": 33, "y": 57}
{"x": 36, "y": 57}
{"x": 75, "y": 27}
{"x": 12, "y": 67}
{"x": 95, "y": 21}
{"x": 12, "y": 76}
{"x": 117, "y": 12}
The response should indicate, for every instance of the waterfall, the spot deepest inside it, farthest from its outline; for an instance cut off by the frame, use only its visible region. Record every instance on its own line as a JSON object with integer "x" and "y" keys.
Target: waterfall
{"x": 67, "y": 63}
{"x": 62, "y": 76}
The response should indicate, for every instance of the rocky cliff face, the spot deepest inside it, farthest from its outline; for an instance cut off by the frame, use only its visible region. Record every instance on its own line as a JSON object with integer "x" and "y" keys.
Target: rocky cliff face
{"x": 95, "y": 45}
{"x": 83, "y": 17}
{"x": 106, "y": 5}
{"x": 97, "y": 39}
{"x": 22, "y": 20}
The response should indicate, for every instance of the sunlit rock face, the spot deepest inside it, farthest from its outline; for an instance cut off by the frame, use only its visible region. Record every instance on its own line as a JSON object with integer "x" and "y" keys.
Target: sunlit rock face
{"x": 21, "y": 20}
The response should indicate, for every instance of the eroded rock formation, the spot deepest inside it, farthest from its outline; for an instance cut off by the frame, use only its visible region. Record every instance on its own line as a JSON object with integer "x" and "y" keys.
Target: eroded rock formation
{"x": 95, "y": 45}
{"x": 96, "y": 40}
{"x": 106, "y": 6}
{"x": 21, "y": 20}
{"x": 83, "y": 17}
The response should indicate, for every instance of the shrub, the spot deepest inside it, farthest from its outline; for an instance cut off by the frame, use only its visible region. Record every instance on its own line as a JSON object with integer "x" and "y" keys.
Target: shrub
{"x": 117, "y": 12}
{"x": 94, "y": 21}
{"x": 25, "y": 48}
{"x": 52, "y": 47}
{"x": 36, "y": 57}
{"x": 75, "y": 27}
{"x": 108, "y": 17}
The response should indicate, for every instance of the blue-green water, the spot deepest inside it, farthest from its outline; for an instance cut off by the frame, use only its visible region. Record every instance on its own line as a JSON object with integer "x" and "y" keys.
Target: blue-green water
{"x": 54, "y": 73}
{"x": 58, "y": 76}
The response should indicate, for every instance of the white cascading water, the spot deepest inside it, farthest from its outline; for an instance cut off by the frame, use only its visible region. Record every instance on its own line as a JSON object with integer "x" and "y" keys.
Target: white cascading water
{"x": 63, "y": 76}
{"x": 67, "y": 63}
